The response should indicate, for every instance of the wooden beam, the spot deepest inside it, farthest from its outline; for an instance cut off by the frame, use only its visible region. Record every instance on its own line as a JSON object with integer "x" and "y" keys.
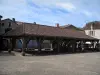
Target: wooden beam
{"x": 24, "y": 46}
{"x": 58, "y": 47}
{"x": 39, "y": 42}
{"x": 73, "y": 46}
{"x": 13, "y": 43}
{"x": 58, "y": 42}
{"x": 98, "y": 45}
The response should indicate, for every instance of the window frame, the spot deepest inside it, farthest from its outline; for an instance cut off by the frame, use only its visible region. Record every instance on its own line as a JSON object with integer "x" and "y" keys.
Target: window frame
{"x": 92, "y": 33}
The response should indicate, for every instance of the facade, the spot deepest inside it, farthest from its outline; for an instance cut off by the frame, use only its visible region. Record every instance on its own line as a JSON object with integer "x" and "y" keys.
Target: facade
{"x": 6, "y": 25}
{"x": 93, "y": 29}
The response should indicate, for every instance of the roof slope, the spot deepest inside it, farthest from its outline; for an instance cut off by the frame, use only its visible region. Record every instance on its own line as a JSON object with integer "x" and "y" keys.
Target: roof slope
{"x": 70, "y": 26}
{"x": 41, "y": 30}
{"x": 95, "y": 25}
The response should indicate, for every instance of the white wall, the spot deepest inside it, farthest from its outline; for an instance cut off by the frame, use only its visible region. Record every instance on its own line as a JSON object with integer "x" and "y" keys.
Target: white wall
{"x": 97, "y": 33}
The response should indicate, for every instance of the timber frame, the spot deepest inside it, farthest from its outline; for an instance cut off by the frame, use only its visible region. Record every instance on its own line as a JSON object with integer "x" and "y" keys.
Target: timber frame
{"x": 63, "y": 40}
{"x": 59, "y": 44}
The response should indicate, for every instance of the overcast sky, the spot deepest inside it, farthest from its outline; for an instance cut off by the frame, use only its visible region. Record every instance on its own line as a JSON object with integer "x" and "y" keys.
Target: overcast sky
{"x": 50, "y": 12}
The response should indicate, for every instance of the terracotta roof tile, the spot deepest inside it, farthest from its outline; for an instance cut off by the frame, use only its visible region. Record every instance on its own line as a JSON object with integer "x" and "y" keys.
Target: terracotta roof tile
{"x": 41, "y": 30}
{"x": 95, "y": 24}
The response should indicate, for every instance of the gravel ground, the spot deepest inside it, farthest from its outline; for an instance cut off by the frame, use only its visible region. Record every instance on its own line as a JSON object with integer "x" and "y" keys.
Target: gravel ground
{"x": 67, "y": 64}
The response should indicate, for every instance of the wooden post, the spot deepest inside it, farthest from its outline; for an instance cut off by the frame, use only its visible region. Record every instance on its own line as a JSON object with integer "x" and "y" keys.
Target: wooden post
{"x": 73, "y": 46}
{"x": 94, "y": 43}
{"x": 51, "y": 41}
{"x": 58, "y": 47}
{"x": 23, "y": 46}
{"x": 39, "y": 41}
{"x": 67, "y": 45}
{"x": 13, "y": 43}
{"x": 0, "y": 43}
{"x": 82, "y": 45}
{"x": 27, "y": 41}
{"x": 98, "y": 45}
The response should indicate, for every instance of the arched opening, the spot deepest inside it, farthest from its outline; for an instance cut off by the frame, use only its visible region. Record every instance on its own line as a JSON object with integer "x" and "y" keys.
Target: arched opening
{"x": 32, "y": 45}
{"x": 47, "y": 45}
{"x": 18, "y": 44}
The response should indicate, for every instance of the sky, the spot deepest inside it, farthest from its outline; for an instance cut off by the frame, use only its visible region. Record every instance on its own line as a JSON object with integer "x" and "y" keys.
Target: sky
{"x": 50, "y": 12}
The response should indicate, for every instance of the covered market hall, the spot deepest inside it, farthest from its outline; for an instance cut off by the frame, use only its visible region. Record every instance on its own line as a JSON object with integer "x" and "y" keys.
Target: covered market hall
{"x": 48, "y": 38}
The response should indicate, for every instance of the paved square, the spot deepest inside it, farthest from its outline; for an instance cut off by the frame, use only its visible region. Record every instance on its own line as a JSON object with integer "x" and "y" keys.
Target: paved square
{"x": 67, "y": 64}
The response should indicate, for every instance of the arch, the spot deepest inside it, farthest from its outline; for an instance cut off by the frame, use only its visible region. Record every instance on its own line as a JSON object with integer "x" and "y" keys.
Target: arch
{"x": 32, "y": 44}
{"x": 18, "y": 44}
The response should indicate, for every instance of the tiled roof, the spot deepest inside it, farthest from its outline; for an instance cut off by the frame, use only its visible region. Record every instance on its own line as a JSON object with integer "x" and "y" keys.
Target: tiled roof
{"x": 42, "y": 30}
{"x": 70, "y": 26}
{"x": 95, "y": 25}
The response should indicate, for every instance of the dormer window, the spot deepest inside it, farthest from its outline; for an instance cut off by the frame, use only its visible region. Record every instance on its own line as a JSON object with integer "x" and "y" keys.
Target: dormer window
{"x": 92, "y": 32}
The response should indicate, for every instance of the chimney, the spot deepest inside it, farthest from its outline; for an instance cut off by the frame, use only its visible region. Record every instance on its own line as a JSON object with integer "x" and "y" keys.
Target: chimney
{"x": 91, "y": 27}
{"x": 57, "y": 25}
{"x": 13, "y": 19}
{"x": 34, "y": 23}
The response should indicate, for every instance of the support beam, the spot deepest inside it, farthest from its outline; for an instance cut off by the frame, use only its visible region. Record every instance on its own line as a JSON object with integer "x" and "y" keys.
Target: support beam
{"x": 82, "y": 45}
{"x": 73, "y": 46}
{"x": 58, "y": 42}
{"x": 24, "y": 46}
{"x": 51, "y": 41}
{"x": 13, "y": 43}
{"x": 27, "y": 40}
{"x": 39, "y": 41}
{"x": 58, "y": 47}
{"x": 98, "y": 45}
{"x": 67, "y": 44}
{"x": 94, "y": 44}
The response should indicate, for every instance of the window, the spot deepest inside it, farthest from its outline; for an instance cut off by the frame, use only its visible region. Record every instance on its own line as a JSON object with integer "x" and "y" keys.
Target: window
{"x": 9, "y": 24}
{"x": 7, "y": 29}
{"x": 2, "y": 24}
{"x": 92, "y": 33}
